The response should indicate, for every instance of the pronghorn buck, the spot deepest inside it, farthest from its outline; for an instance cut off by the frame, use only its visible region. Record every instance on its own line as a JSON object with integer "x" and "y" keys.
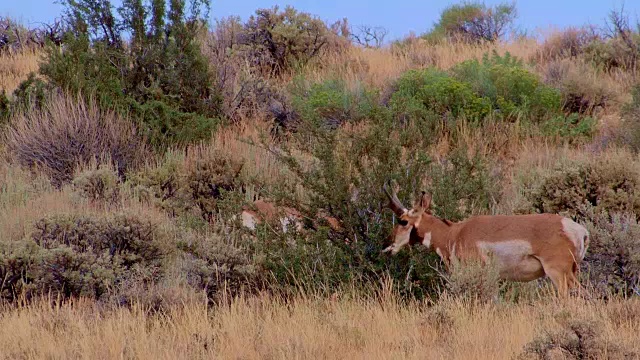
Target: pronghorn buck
{"x": 524, "y": 247}
{"x": 287, "y": 217}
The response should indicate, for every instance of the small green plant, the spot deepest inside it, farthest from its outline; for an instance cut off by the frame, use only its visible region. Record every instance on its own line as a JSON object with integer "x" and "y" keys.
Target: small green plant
{"x": 571, "y": 127}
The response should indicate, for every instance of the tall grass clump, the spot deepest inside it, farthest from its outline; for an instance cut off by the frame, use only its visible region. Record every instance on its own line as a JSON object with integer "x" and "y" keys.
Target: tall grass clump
{"x": 69, "y": 132}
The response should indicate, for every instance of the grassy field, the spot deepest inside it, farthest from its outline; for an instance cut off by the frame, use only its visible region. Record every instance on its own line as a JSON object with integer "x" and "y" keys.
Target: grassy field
{"x": 266, "y": 327}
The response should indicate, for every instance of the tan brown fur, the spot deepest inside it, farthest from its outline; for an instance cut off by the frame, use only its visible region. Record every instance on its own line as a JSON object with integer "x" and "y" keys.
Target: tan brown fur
{"x": 263, "y": 210}
{"x": 526, "y": 247}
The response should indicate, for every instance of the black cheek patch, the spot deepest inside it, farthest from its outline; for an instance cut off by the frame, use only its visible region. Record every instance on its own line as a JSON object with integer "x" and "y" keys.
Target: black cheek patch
{"x": 403, "y": 222}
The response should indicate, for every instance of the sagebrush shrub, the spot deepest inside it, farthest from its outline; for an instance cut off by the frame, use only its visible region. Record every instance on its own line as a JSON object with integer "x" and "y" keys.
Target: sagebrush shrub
{"x": 82, "y": 256}
{"x": 275, "y": 41}
{"x": 99, "y": 185}
{"x": 473, "y": 280}
{"x": 219, "y": 266}
{"x": 473, "y": 22}
{"x": 608, "y": 185}
{"x": 613, "y": 260}
{"x": 630, "y": 134}
{"x": 577, "y": 339}
{"x": 568, "y": 43}
{"x": 68, "y": 133}
{"x": 189, "y": 186}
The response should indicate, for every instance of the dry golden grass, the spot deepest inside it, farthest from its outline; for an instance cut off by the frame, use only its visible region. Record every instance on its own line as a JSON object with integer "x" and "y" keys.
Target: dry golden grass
{"x": 14, "y": 68}
{"x": 306, "y": 328}
{"x": 376, "y": 67}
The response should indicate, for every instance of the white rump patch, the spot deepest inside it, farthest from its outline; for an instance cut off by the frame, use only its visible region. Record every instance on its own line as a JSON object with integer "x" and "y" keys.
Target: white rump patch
{"x": 427, "y": 240}
{"x": 249, "y": 220}
{"x": 514, "y": 259}
{"x": 578, "y": 234}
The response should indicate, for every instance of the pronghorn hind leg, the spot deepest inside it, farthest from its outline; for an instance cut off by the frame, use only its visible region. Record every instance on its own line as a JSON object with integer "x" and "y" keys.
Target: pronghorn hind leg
{"x": 559, "y": 277}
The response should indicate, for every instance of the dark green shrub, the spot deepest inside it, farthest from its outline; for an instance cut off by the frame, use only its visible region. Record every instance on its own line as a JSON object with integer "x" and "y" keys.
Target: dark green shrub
{"x": 82, "y": 256}
{"x": 473, "y": 22}
{"x": 159, "y": 77}
{"x": 613, "y": 259}
{"x": 344, "y": 180}
{"x": 461, "y": 186}
{"x": 605, "y": 185}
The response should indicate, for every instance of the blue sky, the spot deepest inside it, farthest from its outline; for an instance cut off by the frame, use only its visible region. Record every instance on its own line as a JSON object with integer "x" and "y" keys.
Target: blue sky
{"x": 399, "y": 16}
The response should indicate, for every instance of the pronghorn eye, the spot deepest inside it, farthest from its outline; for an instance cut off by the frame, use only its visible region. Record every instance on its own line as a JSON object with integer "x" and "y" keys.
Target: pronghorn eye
{"x": 403, "y": 222}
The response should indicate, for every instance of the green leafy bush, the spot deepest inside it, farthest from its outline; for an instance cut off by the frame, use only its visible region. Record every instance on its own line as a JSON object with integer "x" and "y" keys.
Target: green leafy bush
{"x": 82, "y": 256}
{"x": 511, "y": 89}
{"x": 160, "y": 78}
{"x": 420, "y": 92}
{"x": 345, "y": 180}
{"x": 461, "y": 186}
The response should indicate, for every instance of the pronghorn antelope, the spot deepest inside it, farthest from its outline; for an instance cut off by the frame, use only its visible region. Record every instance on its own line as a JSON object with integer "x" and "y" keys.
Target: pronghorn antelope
{"x": 286, "y": 216}
{"x": 524, "y": 247}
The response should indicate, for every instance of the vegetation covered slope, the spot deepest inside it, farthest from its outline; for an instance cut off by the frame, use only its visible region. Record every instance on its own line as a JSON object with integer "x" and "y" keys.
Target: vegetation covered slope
{"x": 132, "y": 137}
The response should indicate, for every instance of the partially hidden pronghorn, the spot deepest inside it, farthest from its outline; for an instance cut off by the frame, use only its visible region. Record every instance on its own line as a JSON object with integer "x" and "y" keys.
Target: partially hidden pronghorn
{"x": 288, "y": 217}
{"x": 524, "y": 247}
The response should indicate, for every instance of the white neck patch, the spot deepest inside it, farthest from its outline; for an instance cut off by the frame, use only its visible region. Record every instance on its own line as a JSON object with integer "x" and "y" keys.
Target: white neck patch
{"x": 427, "y": 240}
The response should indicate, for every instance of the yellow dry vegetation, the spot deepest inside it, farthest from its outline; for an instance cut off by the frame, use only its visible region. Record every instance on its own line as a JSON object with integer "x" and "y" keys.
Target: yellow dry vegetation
{"x": 309, "y": 327}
